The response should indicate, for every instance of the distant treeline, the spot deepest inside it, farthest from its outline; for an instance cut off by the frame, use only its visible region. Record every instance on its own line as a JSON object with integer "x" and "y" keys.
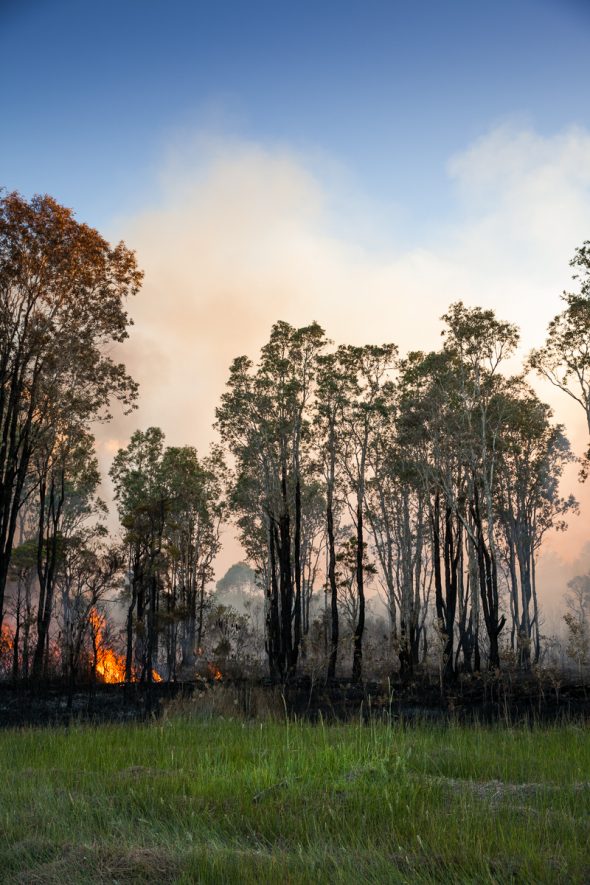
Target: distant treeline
{"x": 431, "y": 478}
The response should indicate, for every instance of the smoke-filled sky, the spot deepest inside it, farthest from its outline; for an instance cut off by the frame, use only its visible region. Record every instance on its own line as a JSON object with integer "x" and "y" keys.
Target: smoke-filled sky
{"x": 362, "y": 165}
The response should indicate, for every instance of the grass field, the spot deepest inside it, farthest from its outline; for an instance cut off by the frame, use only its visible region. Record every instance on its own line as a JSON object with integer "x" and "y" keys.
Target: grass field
{"x": 224, "y": 801}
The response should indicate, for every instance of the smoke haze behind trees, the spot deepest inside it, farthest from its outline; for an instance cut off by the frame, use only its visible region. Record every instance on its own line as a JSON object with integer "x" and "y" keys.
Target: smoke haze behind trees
{"x": 239, "y": 235}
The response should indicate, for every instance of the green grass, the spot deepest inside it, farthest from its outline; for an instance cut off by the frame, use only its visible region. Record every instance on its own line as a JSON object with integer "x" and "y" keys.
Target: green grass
{"x": 224, "y": 801}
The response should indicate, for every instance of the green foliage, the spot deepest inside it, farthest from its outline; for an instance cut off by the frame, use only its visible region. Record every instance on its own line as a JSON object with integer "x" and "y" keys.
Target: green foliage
{"x": 564, "y": 359}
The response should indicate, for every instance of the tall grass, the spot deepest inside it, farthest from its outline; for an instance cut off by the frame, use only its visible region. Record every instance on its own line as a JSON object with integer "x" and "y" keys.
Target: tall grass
{"x": 189, "y": 800}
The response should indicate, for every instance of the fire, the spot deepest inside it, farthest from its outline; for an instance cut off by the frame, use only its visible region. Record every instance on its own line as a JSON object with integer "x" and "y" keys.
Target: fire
{"x": 110, "y": 666}
{"x": 214, "y": 672}
{"x": 6, "y": 640}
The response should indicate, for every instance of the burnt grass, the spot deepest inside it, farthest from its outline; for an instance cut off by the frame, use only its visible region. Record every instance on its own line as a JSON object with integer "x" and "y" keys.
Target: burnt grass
{"x": 509, "y": 698}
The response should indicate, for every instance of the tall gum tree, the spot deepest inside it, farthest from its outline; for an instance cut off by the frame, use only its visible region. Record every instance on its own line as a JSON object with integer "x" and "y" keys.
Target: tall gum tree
{"x": 67, "y": 483}
{"x": 564, "y": 359}
{"x": 142, "y": 501}
{"x": 481, "y": 344}
{"x": 330, "y": 401}
{"x": 63, "y": 290}
{"x": 532, "y": 455}
{"x": 195, "y": 509}
{"x": 430, "y": 430}
{"x": 369, "y": 372}
{"x": 398, "y": 517}
{"x": 264, "y": 422}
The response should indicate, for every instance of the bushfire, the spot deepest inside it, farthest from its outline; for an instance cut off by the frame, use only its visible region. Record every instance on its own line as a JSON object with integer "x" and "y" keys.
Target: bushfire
{"x": 214, "y": 672}
{"x": 110, "y": 666}
{"x": 6, "y": 639}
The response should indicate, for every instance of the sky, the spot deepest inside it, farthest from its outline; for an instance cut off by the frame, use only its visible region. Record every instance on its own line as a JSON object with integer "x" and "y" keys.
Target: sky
{"x": 360, "y": 164}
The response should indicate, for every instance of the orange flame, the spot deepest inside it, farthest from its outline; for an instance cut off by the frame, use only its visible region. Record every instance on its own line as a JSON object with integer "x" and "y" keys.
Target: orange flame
{"x": 110, "y": 666}
{"x": 214, "y": 672}
{"x": 6, "y": 640}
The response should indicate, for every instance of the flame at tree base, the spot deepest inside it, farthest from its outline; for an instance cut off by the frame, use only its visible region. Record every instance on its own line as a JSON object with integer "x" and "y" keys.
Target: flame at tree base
{"x": 214, "y": 672}
{"x": 110, "y": 666}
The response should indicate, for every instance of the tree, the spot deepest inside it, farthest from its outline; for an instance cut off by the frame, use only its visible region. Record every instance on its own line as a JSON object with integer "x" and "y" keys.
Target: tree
{"x": 431, "y": 429}
{"x": 577, "y": 620}
{"x": 62, "y": 295}
{"x": 194, "y": 511}
{"x": 142, "y": 502}
{"x": 331, "y": 398}
{"x": 67, "y": 481}
{"x": 481, "y": 343}
{"x": 398, "y": 516}
{"x": 368, "y": 371}
{"x": 23, "y": 570}
{"x": 532, "y": 455}
{"x": 264, "y": 421}
{"x": 240, "y": 578}
{"x": 171, "y": 507}
{"x": 89, "y": 570}
{"x": 564, "y": 359}
{"x": 347, "y": 563}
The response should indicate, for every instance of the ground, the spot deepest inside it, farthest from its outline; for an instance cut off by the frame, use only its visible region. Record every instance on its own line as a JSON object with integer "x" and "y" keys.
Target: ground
{"x": 221, "y": 801}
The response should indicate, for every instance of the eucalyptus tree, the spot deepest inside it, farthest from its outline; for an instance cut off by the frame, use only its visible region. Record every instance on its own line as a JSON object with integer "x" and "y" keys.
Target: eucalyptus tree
{"x": 347, "y": 564}
{"x": 313, "y": 509}
{"x": 67, "y": 478}
{"x": 368, "y": 371}
{"x": 142, "y": 501}
{"x": 264, "y": 421}
{"x": 577, "y": 620}
{"x": 171, "y": 508}
{"x": 481, "y": 343}
{"x": 532, "y": 455}
{"x": 430, "y": 429}
{"x": 398, "y": 516}
{"x": 194, "y": 512}
{"x": 62, "y": 295}
{"x": 330, "y": 401}
{"x": 564, "y": 359}
{"x": 20, "y": 604}
{"x": 89, "y": 571}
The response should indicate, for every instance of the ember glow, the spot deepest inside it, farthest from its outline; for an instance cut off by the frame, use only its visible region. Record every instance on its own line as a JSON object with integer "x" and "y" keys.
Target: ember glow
{"x": 214, "y": 672}
{"x": 6, "y": 640}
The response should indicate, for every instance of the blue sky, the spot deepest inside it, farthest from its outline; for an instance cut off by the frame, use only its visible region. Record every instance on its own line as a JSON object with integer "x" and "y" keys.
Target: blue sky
{"x": 94, "y": 92}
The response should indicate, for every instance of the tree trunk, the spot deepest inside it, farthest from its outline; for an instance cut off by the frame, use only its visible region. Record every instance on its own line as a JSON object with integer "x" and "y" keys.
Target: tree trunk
{"x": 129, "y": 630}
{"x": 333, "y": 587}
{"x": 273, "y": 630}
{"x": 357, "y": 660}
{"x": 297, "y": 606}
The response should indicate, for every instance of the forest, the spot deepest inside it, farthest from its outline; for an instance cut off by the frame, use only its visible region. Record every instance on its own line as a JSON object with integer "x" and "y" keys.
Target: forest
{"x": 391, "y": 507}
